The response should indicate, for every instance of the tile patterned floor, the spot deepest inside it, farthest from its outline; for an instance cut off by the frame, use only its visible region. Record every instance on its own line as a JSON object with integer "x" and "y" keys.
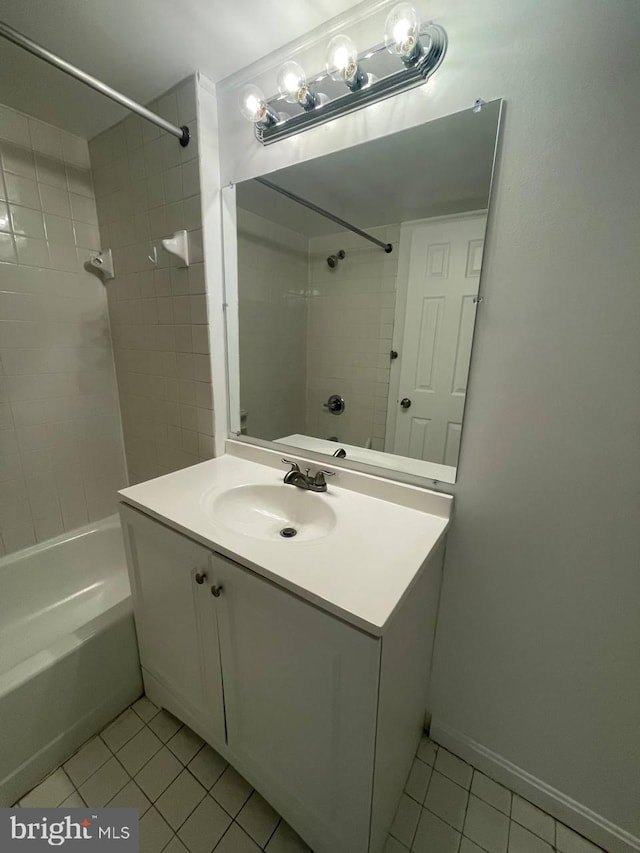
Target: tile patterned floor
{"x": 191, "y": 801}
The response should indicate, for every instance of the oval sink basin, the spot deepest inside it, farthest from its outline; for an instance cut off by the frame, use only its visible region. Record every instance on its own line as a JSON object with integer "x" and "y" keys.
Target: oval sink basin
{"x": 264, "y": 511}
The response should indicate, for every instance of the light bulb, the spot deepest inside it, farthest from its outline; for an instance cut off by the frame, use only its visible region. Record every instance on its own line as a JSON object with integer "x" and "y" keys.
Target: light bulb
{"x": 293, "y": 86}
{"x": 253, "y": 105}
{"x": 342, "y": 62}
{"x": 402, "y": 32}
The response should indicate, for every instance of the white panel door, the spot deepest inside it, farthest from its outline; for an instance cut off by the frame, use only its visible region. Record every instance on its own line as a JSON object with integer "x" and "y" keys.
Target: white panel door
{"x": 175, "y": 617}
{"x": 301, "y": 693}
{"x": 443, "y": 279}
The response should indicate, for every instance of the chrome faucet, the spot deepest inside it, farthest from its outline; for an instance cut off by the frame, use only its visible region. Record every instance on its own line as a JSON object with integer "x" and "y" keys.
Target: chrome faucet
{"x": 295, "y": 477}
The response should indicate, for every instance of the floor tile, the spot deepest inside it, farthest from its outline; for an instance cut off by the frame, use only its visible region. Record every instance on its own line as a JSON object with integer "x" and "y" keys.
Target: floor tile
{"x": 86, "y": 761}
{"x": 232, "y": 791}
{"x": 491, "y": 792}
{"x": 158, "y": 773}
{"x": 145, "y": 709}
{"x": 286, "y": 840}
{"x": 523, "y": 841}
{"x": 121, "y": 730}
{"x": 447, "y": 800}
{"x": 75, "y": 801}
{"x": 130, "y": 797}
{"x": 455, "y": 768}
{"x": 204, "y": 828}
{"x": 140, "y": 749}
{"x": 468, "y": 846}
{"x": 568, "y": 841}
{"x": 180, "y": 799}
{"x": 236, "y": 840}
{"x": 392, "y": 845}
{"x": 406, "y": 820}
{"x": 185, "y": 744}
{"x": 104, "y": 784}
{"x": 427, "y": 751}
{"x": 155, "y": 832}
{"x": 258, "y": 819}
{"x": 486, "y": 826}
{"x": 435, "y": 836}
{"x": 207, "y": 766}
{"x": 175, "y": 846}
{"x": 50, "y": 793}
{"x": 533, "y": 819}
{"x": 165, "y": 725}
{"x": 418, "y": 780}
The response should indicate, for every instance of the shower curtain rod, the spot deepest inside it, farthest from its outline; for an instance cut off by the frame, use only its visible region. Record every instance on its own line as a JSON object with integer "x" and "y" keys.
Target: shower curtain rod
{"x": 386, "y": 246}
{"x": 14, "y": 36}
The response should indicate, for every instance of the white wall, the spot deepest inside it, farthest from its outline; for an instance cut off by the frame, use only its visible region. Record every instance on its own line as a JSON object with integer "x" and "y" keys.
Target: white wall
{"x": 61, "y": 457}
{"x": 538, "y": 647}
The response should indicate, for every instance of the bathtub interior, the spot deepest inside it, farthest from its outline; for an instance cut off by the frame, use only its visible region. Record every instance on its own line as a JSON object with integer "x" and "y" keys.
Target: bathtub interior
{"x": 53, "y": 589}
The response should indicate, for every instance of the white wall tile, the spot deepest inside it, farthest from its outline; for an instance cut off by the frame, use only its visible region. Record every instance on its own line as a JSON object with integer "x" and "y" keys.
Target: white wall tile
{"x": 150, "y": 309}
{"x": 45, "y": 138}
{"x": 14, "y": 127}
{"x": 49, "y": 308}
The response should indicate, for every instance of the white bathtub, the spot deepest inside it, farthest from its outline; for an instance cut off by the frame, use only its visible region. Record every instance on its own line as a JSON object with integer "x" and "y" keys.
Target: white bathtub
{"x": 68, "y": 652}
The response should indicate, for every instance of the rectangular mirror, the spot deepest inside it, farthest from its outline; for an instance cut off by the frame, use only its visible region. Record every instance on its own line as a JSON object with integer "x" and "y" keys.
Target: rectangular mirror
{"x": 357, "y": 343}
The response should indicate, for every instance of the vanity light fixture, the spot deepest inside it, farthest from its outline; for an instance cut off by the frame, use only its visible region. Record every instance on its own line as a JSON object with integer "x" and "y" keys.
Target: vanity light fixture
{"x": 342, "y": 63}
{"x": 294, "y": 88}
{"x": 409, "y": 55}
{"x": 402, "y": 33}
{"x": 254, "y": 107}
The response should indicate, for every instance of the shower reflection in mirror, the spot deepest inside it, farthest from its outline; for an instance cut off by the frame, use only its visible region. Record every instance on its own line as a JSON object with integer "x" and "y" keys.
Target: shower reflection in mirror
{"x": 358, "y": 277}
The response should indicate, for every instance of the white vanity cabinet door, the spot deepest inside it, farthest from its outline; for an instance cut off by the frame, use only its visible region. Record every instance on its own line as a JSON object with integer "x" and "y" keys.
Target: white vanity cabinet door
{"x": 301, "y": 691}
{"x": 175, "y": 620}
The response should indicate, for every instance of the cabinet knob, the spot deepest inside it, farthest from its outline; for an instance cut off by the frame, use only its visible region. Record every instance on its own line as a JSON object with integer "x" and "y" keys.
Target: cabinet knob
{"x": 216, "y": 591}
{"x": 200, "y": 577}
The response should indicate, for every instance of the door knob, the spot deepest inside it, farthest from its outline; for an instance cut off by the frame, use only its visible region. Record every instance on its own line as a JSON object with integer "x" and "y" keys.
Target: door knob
{"x": 200, "y": 577}
{"x": 216, "y": 591}
{"x": 405, "y": 402}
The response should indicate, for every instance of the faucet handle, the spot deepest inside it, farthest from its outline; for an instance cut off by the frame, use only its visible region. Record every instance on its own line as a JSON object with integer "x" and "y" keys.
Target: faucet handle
{"x": 320, "y": 477}
{"x": 294, "y": 465}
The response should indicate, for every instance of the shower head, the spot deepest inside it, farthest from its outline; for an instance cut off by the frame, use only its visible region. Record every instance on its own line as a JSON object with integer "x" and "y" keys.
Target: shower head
{"x": 332, "y": 260}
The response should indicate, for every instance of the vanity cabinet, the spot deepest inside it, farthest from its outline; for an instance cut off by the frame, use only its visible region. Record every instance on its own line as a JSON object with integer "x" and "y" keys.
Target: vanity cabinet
{"x": 321, "y": 717}
{"x": 175, "y": 624}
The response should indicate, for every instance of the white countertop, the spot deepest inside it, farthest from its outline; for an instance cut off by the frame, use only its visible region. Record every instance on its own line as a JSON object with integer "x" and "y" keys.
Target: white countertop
{"x": 360, "y": 571}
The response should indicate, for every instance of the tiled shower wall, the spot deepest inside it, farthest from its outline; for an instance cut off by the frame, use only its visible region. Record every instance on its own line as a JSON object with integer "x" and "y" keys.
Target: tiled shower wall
{"x": 272, "y": 279}
{"x": 147, "y": 187}
{"x": 310, "y": 331}
{"x": 61, "y": 457}
{"x": 351, "y": 315}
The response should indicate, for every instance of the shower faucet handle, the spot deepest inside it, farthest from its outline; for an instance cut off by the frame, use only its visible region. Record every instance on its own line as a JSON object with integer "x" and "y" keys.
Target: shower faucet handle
{"x": 335, "y": 404}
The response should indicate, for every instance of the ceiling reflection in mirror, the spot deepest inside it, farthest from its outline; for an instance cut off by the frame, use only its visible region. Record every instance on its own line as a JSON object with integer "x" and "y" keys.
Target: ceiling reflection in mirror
{"x": 347, "y": 348}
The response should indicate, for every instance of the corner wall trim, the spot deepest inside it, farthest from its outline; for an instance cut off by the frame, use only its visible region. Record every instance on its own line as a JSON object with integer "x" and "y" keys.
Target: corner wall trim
{"x": 575, "y": 815}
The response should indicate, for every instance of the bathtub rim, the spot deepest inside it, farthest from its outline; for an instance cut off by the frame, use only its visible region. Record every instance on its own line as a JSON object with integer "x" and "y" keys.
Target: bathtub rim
{"x": 106, "y": 523}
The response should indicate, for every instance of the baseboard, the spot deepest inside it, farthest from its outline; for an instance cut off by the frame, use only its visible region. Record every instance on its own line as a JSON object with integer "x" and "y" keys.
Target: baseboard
{"x": 575, "y": 815}
{"x": 39, "y": 765}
